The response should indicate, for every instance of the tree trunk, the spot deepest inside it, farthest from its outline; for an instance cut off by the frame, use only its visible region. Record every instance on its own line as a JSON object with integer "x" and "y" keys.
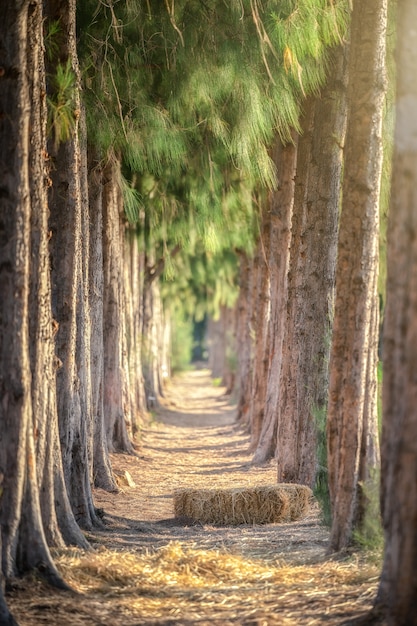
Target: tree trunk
{"x": 216, "y": 347}
{"x": 113, "y": 394}
{"x": 102, "y": 472}
{"x": 52, "y": 491}
{"x": 353, "y": 343}
{"x": 68, "y": 292}
{"x": 261, "y": 330}
{"x": 304, "y": 374}
{"x": 129, "y": 275}
{"x": 244, "y": 339}
{"x": 397, "y": 595}
{"x": 281, "y": 206}
{"x": 23, "y": 543}
{"x": 152, "y": 329}
{"x": 221, "y": 343}
{"x": 137, "y": 275}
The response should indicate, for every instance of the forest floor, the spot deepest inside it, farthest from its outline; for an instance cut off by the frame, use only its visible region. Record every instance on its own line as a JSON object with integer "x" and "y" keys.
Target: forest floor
{"x": 147, "y": 567}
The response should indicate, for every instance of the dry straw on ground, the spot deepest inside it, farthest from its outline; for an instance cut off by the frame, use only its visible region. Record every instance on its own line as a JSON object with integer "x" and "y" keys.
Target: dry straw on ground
{"x": 255, "y": 505}
{"x": 183, "y": 586}
{"x": 157, "y": 571}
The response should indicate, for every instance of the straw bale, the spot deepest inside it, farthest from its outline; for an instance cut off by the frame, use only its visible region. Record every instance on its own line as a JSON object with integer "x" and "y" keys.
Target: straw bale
{"x": 255, "y": 505}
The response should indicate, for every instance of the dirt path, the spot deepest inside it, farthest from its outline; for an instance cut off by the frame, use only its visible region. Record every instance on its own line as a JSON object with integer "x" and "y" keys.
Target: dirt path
{"x": 193, "y": 442}
{"x": 148, "y": 569}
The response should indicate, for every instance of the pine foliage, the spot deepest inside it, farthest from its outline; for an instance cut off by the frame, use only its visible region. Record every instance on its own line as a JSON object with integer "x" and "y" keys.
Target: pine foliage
{"x": 190, "y": 95}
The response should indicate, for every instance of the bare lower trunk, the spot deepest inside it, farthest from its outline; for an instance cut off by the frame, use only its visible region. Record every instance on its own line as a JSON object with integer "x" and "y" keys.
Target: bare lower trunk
{"x": 221, "y": 342}
{"x": 102, "y": 473}
{"x": 23, "y": 543}
{"x": 281, "y": 202}
{"x": 244, "y": 339}
{"x": 261, "y": 330}
{"x": 137, "y": 275}
{"x": 69, "y": 291}
{"x": 304, "y": 374}
{"x": 353, "y": 340}
{"x": 397, "y": 594}
{"x": 113, "y": 393}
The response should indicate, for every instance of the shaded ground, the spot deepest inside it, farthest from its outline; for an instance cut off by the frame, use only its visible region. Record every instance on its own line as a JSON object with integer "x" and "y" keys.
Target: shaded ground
{"x": 149, "y": 568}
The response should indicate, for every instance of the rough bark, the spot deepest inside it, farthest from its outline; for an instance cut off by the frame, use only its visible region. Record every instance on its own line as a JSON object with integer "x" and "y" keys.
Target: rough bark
{"x": 353, "y": 342}
{"x": 130, "y": 369}
{"x": 261, "y": 330}
{"x": 137, "y": 275}
{"x": 304, "y": 374}
{"x": 216, "y": 347}
{"x": 113, "y": 393}
{"x": 221, "y": 343}
{"x": 244, "y": 339}
{"x": 102, "y": 472}
{"x": 397, "y": 595}
{"x": 52, "y": 492}
{"x": 281, "y": 206}
{"x": 41, "y": 329}
{"x": 68, "y": 292}
{"x": 23, "y": 543}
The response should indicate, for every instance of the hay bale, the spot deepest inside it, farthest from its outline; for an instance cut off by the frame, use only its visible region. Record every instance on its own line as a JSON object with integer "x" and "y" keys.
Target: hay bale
{"x": 232, "y": 507}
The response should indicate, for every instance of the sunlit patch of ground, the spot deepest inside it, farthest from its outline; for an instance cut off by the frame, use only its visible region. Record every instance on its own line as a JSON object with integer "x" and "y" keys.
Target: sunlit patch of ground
{"x": 148, "y": 568}
{"x": 178, "y": 585}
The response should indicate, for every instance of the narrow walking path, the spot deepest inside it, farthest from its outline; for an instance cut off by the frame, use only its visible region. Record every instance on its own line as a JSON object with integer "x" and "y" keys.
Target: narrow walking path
{"x": 149, "y": 569}
{"x": 193, "y": 442}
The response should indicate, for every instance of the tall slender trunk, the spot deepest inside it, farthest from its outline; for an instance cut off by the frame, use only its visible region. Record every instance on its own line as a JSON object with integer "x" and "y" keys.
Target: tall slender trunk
{"x": 281, "y": 206}
{"x": 68, "y": 287}
{"x": 397, "y": 594}
{"x": 304, "y": 375}
{"x": 57, "y": 516}
{"x": 23, "y": 543}
{"x": 353, "y": 343}
{"x": 113, "y": 393}
{"x": 102, "y": 472}
{"x": 137, "y": 278}
{"x": 261, "y": 332}
{"x": 244, "y": 339}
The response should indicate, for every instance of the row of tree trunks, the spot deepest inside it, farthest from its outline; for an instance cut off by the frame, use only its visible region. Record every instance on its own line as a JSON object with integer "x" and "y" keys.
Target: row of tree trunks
{"x": 260, "y": 330}
{"x": 117, "y": 409}
{"x": 303, "y": 383}
{"x": 54, "y": 243}
{"x": 24, "y": 309}
{"x": 221, "y": 343}
{"x": 281, "y": 202}
{"x": 302, "y": 229}
{"x": 353, "y": 449}
{"x": 69, "y": 248}
{"x": 397, "y": 596}
{"x": 301, "y": 272}
{"x": 244, "y": 338}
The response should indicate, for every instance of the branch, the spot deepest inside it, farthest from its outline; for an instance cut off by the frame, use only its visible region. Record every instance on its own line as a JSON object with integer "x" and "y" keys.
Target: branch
{"x": 155, "y": 271}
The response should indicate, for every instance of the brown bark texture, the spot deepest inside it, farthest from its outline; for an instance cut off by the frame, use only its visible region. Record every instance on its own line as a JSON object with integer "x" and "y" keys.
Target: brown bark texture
{"x": 244, "y": 338}
{"x": 102, "y": 472}
{"x": 116, "y": 424}
{"x": 261, "y": 316}
{"x": 304, "y": 375}
{"x": 397, "y": 596}
{"x": 70, "y": 310}
{"x": 281, "y": 207}
{"x": 23, "y": 543}
{"x": 353, "y": 340}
